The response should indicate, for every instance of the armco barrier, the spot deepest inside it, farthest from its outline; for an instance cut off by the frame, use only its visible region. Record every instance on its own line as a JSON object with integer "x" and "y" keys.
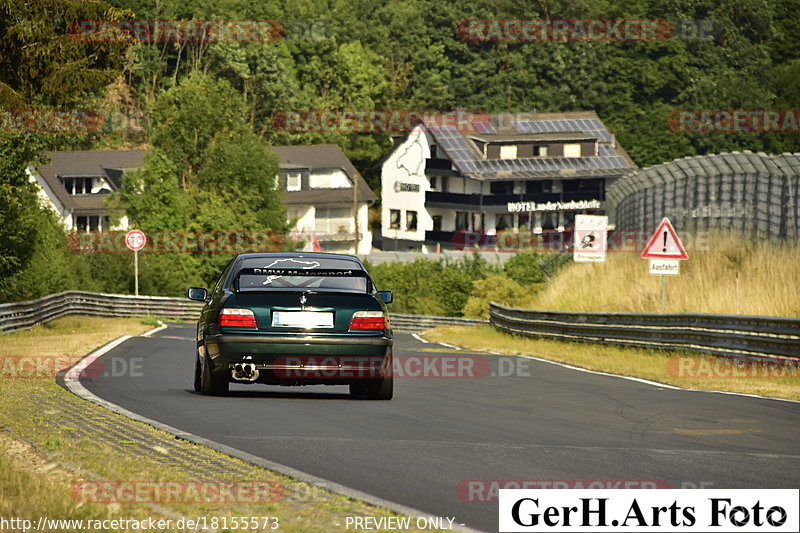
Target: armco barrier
{"x": 723, "y": 335}
{"x": 21, "y": 315}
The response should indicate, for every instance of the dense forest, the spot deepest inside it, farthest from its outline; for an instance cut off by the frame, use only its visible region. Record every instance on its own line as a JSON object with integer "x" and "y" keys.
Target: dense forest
{"x": 206, "y": 109}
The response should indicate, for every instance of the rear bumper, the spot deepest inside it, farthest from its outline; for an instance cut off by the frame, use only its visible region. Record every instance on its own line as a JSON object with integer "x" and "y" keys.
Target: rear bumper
{"x": 265, "y": 340}
{"x": 284, "y": 359}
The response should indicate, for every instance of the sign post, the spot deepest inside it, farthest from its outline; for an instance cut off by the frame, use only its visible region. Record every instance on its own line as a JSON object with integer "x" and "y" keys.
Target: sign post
{"x": 591, "y": 241}
{"x": 664, "y": 250}
{"x": 135, "y": 240}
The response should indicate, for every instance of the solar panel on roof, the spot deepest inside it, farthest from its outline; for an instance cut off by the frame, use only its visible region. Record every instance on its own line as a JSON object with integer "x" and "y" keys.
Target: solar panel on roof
{"x": 484, "y": 127}
{"x": 520, "y": 126}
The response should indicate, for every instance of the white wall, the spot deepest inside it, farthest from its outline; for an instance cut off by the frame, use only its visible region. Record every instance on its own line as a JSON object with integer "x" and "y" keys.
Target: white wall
{"x": 305, "y": 216}
{"x": 406, "y": 164}
{"x": 306, "y": 226}
{"x": 47, "y": 197}
{"x": 365, "y": 242}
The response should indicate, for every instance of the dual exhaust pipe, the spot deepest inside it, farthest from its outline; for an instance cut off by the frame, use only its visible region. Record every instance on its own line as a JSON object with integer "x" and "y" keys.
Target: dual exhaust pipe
{"x": 244, "y": 372}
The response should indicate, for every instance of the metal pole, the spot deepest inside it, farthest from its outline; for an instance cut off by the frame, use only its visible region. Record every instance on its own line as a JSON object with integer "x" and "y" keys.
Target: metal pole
{"x": 136, "y": 273}
{"x": 663, "y": 292}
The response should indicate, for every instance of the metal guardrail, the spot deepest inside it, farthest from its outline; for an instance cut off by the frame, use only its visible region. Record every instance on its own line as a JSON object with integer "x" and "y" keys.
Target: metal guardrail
{"x": 413, "y": 323}
{"x": 723, "y": 335}
{"x": 22, "y": 315}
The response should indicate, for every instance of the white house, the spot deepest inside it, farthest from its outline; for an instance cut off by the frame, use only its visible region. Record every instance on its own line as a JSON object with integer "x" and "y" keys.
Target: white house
{"x": 318, "y": 183}
{"x": 75, "y": 185}
{"x": 323, "y": 190}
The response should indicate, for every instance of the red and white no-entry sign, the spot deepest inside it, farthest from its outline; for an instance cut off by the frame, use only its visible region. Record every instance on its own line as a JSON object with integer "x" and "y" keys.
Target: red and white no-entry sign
{"x": 135, "y": 240}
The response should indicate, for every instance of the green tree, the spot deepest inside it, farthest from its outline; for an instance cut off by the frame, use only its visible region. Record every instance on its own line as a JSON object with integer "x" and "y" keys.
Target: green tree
{"x": 185, "y": 119}
{"x": 42, "y": 67}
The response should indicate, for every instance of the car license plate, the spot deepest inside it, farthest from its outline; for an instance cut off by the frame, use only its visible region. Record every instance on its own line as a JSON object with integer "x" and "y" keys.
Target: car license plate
{"x": 302, "y": 319}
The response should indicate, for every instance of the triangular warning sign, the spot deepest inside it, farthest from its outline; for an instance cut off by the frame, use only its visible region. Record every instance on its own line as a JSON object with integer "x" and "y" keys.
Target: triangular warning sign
{"x": 665, "y": 244}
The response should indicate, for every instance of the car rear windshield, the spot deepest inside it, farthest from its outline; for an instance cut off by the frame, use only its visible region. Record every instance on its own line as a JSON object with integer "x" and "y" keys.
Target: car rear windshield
{"x": 314, "y": 273}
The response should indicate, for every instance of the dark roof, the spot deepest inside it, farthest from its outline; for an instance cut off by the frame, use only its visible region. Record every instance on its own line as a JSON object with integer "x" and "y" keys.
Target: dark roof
{"x": 323, "y": 196}
{"x": 322, "y": 157}
{"x": 611, "y": 161}
{"x": 108, "y": 164}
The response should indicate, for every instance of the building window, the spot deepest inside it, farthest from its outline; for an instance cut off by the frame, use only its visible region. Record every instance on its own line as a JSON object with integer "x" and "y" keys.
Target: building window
{"x": 501, "y": 187}
{"x": 508, "y": 151}
{"x": 437, "y": 222}
{"x": 572, "y": 150}
{"x": 462, "y": 221}
{"x": 540, "y": 151}
{"x": 78, "y": 185}
{"x": 502, "y": 222}
{"x": 433, "y": 183}
{"x": 411, "y": 221}
{"x": 87, "y": 223}
{"x": 433, "y": 151}
{"x": 293, "y": 181}
{"x": 329, "y": 220}
{"x": 394, "y": 219}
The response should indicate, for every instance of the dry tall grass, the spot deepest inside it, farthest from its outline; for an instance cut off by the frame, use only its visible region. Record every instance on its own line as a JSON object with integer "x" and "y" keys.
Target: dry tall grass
{"x": 735, "y": 276}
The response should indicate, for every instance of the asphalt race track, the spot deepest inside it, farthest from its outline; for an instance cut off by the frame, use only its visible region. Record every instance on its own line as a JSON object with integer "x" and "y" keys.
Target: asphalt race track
{"x": 544, "y": 422}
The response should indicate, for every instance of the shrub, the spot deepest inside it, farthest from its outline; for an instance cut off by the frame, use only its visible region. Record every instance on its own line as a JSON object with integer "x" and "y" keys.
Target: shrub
{"x": 495, "y": 288}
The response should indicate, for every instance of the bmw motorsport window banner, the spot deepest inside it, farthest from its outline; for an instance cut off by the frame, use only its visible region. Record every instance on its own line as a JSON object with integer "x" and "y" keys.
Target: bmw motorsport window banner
{"x": 648, "y": 510}
{"x": 308, "y": 272}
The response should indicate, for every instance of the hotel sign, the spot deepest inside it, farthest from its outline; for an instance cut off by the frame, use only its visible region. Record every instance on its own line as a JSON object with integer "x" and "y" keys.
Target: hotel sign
{"x": 400, "y": 186}
{"x": 574, "y": 205}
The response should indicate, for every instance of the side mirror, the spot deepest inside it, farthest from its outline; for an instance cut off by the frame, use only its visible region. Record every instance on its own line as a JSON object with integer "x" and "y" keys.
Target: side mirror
{"x": 386, "y": 296}
{"x": 197, "y": 293}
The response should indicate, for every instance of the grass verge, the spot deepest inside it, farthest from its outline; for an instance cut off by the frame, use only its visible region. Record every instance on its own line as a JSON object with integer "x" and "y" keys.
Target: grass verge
{"x": 674, "y": 368}
{"x": 56, "y": 445}
{"x": 724, "y": 274}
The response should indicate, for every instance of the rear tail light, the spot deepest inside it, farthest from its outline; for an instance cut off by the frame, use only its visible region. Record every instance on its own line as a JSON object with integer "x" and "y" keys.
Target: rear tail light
{"x": 368, "y": 320}
{"x": 240, "y": 318}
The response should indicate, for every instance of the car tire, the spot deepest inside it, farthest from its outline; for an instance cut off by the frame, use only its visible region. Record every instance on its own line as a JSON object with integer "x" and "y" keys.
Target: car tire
{"x": 380, "y": 389}
{"x": 210, "y": 383}
{"x": 358, "y": 390}
{"x": 198, "y": 373}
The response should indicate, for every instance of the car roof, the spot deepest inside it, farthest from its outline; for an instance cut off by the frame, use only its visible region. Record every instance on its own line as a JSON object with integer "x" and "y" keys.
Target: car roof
{"x": 319, "y": 255}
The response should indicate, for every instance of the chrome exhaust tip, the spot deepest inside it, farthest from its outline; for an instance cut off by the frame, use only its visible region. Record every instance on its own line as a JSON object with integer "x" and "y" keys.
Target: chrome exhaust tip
{"x": 244, "y": 372}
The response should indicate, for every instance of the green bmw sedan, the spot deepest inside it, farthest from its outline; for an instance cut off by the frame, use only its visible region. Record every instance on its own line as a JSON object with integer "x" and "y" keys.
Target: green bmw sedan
{"x": 294, "y": 318}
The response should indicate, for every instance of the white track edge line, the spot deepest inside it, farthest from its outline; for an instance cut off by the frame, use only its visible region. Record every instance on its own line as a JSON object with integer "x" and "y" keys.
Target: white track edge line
{"x": 161, "y": 327}
{"x": 420, "y": 339}
{"x": 638, "y": 380}
{"x": 73, "y": 384}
